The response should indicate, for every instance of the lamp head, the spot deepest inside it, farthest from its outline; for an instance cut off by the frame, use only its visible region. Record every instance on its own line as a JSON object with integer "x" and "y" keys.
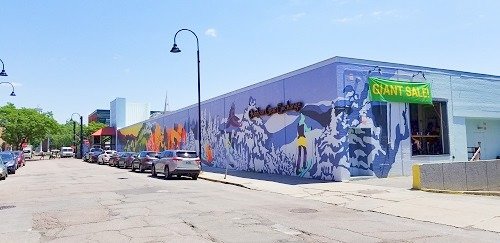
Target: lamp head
{"x": 175, "y": 49}
{"x": 3, "y": 73}
{"x": 12, "y": 94}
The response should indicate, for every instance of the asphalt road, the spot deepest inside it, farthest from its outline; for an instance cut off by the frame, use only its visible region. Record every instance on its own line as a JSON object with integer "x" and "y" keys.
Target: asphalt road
{"x": 67, "y": 200}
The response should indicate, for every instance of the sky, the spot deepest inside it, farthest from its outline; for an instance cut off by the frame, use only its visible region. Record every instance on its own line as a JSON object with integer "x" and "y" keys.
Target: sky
{"x": 77, "y": 56}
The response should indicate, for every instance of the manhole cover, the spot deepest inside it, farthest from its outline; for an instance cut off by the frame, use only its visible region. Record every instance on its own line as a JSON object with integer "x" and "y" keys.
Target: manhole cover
{"x": 372, "y": 191}
{"x": 303, "y": 210}
{"x": 122, "y": 178}
{"x": 7, "y": 207}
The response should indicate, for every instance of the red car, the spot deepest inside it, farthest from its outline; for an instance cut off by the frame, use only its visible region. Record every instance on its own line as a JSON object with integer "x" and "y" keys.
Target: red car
{"x": 125, "y": 160}
{"x": 144, "y": 160}
{"x": 19, "y": 158}
{"x": 113, "y": 160}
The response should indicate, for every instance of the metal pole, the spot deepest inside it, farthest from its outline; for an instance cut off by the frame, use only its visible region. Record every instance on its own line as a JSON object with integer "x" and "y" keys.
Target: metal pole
{"x": 199, "y": 106}
{"x": 175, "y": 50}
{"x": 81, "y": 138}
{"x": 74, "y": 138}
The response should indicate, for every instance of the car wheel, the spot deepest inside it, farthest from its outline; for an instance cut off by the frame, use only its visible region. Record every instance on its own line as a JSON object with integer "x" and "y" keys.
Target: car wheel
{"x": 167, "y": 173}
{"x": 153, "y": 171}
{"x": 13, "y": 171}
{"x": 141, "y": 168}
{"x": 133, "y": 168}
{"x": 194, "y": 177}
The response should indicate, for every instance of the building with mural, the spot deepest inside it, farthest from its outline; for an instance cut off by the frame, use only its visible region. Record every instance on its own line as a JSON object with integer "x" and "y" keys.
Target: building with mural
{"x": 336, "y": 119}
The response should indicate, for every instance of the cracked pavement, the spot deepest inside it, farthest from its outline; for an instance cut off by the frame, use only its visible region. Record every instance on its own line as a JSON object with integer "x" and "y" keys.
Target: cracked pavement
{"x": 67, "y": 200}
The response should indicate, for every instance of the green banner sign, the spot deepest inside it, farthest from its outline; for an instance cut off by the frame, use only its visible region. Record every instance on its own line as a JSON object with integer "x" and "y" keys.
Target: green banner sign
{"x": 396, "y": 91}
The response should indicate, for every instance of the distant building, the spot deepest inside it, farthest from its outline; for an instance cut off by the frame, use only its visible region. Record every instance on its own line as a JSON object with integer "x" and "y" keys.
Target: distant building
{"x": 123, "y": 113}
{"x": 99, "y": 115}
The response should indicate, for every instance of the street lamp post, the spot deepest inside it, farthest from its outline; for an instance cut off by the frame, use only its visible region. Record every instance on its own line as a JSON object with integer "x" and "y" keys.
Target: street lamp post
{"x": 13, "y": 93}
{"x": 79, "y": 156}
{"x": 74, "y": 137}
{"x": 3, "y": 73}
{"x": 176, "y": 49}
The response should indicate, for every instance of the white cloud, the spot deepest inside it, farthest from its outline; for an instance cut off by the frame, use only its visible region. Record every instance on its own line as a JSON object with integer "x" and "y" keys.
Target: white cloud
{"x": 349, "y": 19}
{"x": 373, "y": 15}
{"x": 211, "y": 32}
{"x": 388, "y": 13}
{"x": 117, "y": 57}
{"x": 126, "y": 70}
{"x": 297, "y": 16}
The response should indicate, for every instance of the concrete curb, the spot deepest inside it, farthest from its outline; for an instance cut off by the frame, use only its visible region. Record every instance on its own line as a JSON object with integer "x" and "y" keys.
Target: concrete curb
{"x": 223, "y": 182}
{"x": 479, "y": 193}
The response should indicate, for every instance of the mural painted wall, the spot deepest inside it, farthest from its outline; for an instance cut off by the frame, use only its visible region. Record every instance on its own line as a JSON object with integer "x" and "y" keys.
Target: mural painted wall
{"x": 317, "y": 122}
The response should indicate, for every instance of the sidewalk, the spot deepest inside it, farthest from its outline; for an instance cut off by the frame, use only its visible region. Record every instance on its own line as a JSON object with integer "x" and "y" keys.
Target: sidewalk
{"x": 387, "y": 196}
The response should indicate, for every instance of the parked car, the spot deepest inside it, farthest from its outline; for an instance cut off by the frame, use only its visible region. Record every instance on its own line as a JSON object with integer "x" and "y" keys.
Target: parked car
{"x": 19, "y": 157}
{"x": 9, "y": 161}
{"x": 67, "y": 152}
{"x": 113, "y": 161}
{"x": 144, "y": 160}
{"x": 93, "y": 154}
{"x": 177, "y": 162}
{"x": 104, "y": 157}
{"x": 3, "y": 170}
{"x": 28, "y": 152}
{"x": 87, "y": 155}
{"x": 125, "y": 160}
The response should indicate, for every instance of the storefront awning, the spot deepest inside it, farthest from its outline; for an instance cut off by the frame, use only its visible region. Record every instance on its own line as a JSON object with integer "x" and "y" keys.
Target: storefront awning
{"x": 105, "y": 131}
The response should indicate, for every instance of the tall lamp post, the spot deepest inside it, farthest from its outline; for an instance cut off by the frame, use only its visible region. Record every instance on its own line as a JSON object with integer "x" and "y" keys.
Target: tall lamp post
{"x": 3, "y": 73}
{"x": 79, "y": 156}
{"x": 13, "y": 93}
{"x": 176, "y": 49}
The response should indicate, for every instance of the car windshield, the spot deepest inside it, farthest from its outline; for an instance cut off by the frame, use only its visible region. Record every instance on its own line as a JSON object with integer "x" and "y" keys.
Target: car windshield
{"x": 67, "y": 150}
{"x": 6, "y": 156}
{"x": 186, "y": 154}
{"x": 151, "y": 154}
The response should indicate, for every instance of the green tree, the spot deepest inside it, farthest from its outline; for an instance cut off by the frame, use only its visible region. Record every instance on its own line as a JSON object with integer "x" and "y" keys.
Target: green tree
{"x": 91, "y": 128}
{"x": 25, "y": 125}
{"x": 63, "y": 136}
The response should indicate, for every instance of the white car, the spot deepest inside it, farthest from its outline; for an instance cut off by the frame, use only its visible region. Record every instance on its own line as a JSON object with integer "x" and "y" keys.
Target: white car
{"x": 105, "y": 156}
{"x": 28, "y": 153}
{"x": 67, "y": 152}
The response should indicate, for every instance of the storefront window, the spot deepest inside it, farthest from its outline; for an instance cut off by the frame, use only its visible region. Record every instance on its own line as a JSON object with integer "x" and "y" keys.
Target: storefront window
{"x": 429, "y": 129}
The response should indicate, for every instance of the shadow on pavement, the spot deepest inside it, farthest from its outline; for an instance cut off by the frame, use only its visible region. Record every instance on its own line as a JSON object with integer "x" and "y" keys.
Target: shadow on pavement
{"x": 284, "y": 179}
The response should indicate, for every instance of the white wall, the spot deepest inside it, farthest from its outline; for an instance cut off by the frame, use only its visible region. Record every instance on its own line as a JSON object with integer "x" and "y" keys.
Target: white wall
{"x": 136, "y": 112}
{"x": 486, "y": 131}
{"x": 118, "y": 113}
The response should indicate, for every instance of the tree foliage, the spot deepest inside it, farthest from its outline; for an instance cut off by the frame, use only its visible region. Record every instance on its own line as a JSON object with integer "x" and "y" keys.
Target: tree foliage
{"x": 25, "y": 124}
{"x": 91, "y": 128}
{"x": 32, "y": 126}
{"x": 65, "y": 136}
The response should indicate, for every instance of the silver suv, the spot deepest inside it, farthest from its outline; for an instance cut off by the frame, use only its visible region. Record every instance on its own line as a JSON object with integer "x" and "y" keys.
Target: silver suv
{"x": 177, "y": 162}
